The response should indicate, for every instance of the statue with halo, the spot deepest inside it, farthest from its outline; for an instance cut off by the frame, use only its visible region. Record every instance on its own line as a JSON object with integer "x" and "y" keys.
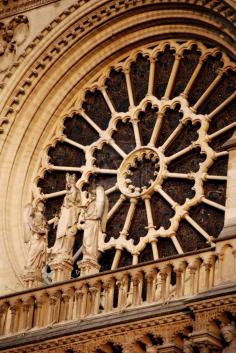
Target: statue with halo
{"x": 93, "y": 221}
{"x": 67, "y": 220}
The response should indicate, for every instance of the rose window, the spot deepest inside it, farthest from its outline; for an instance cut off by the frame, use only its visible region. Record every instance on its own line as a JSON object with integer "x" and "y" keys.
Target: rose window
{"x": 151, "y": 130}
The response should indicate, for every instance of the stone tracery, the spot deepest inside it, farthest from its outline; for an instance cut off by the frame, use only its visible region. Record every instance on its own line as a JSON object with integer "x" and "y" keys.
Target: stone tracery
{"x": 173, "y": 133}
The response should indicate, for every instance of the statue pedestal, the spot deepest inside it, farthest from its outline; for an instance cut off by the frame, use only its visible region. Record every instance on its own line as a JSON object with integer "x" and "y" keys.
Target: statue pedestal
{"x": 32, "y": 278}
{"x": 61, "y": 270}
{"x": 89, "y": 267}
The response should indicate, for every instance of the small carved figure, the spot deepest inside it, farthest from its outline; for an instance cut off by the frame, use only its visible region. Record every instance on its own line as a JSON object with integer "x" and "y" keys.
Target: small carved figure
{"x": 188, "y": 347}
{"x": 67, "y": 221}
{"x": 93, "y": 221}
{"x": 36, "y": 227}
{"x": 229, "y": 334}
{"x": 12, "y": 35}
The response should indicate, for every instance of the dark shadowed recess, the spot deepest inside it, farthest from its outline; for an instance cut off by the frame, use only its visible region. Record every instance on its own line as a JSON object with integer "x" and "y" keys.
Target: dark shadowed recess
{"x": 166, "y": 247}
{"x": 224, "y": 118}
{"x": 147, "y": 121}
{"x": 206, "y": 76}
{"x": 179, "y": 189}
{"x": 218, "y": 143}
{"x": 96, "y": 108}
{"x": 106, "y": 259}
{"x": 169, "y": 123}
{"x": 189, "y": 238}
{"x": 222, "y": 91}
{"x": 161, "y": 211}
{"x": 64, "y": 154}
{"x": 146, "y": 254}
{"x": 209, "y": 218}
{"x": 79, "y": 130}
{"x": 124, "y": 136}
{"x": 187, "y": 135}
{"x": 163, "y": 67}
{"x": 139, "y": 74}
{"x": 189, "y": 162}
{"x": 117, "y": 91}
{"x": 139, "y": 223}
{"x": 186, "y": 68}
{"x": 107, "y": 157}
{"x": 219, "y": 167}
{"x": 215, "y": 190}
{"x": 114, "y": 228}
{"x": 125, "y": 259}
{"x": 52, "y": 181}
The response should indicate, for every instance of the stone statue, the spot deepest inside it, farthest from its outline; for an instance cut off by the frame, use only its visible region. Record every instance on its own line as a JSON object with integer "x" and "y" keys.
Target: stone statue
{"x": 93, "y": 221}
{"x": 188, "y": 347}
{"x": 36, "y": 230}
{"x": 67, "y": 220}
{"x": 229, "y": 334}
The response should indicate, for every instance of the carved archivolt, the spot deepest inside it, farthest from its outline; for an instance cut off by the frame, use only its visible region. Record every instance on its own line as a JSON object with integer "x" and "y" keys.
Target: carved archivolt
{"x": 161, "y": 124}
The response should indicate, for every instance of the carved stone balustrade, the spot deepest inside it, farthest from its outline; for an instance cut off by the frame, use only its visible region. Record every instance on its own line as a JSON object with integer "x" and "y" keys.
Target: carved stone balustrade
{"x": 157, "y": 282}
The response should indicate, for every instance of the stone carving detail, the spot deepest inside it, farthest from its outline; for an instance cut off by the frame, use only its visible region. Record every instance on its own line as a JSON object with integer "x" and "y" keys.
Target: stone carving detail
{"x": 12, "y": 35}
{"x": 36, "y": 230}
{"x": 93, "y": 221}
{"x": 67, "y": 221}
{"x": 169, "y": 165}
{"x": 229, "y": 333}
{"x": 187, "y": 347}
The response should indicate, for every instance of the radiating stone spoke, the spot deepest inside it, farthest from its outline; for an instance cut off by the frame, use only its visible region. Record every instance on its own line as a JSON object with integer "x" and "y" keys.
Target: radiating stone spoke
{"x": 136, "y": 132}
{"x": 198, "y": 228}
{"x": 221, "y": 131}
{"x": 221, "y": 154}
{"x": 157, "y": 129}
{"x": 104, "y": 171}
{"x": 179, "y": 154}
{"x": 213, "y": 204}
{"x": 112, "y": 189}
{"x": 117, "y": 148}
{"x": 192, "y": 78}
{"x": 116, "y": 206}
{"x": 177, "y": 244}
{"x": 222, "y": 106}
{"x": 73, "y": 143}
{"x": 54, "y": 194}
{"x": 129, "y": 217}
{"x": 151, "y": 76}
{"x": 172, "y": 136}
{"x": 172, "y": 77}
{"x": 108, "y": 101}
{"x": 166, "y": 196}
{"x": 216, "y": 177}
{"x": 208, "y": 91}
{"x": 129, "y": 88}
{"x": 67, "y": 169}
{"x": 90, "y": 121}
{"x": 179, "y": 175}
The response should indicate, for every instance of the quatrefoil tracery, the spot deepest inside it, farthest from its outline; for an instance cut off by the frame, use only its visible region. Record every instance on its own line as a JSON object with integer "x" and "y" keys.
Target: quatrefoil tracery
{"x": 133, "y": 181}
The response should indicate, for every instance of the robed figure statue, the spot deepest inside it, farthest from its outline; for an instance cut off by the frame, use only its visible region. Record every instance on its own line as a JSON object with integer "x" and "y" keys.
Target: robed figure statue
{"x": 67, "y": 220}
{"x": 36, "y": 231}
{"x": 93, "y": 221}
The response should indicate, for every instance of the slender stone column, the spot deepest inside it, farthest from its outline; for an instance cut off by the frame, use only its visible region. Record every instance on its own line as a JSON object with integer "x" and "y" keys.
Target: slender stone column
{"x": 229, "y": 229}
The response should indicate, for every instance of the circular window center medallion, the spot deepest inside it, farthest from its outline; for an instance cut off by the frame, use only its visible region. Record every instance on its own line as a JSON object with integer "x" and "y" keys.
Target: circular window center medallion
{"x": 140, "y": 172}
